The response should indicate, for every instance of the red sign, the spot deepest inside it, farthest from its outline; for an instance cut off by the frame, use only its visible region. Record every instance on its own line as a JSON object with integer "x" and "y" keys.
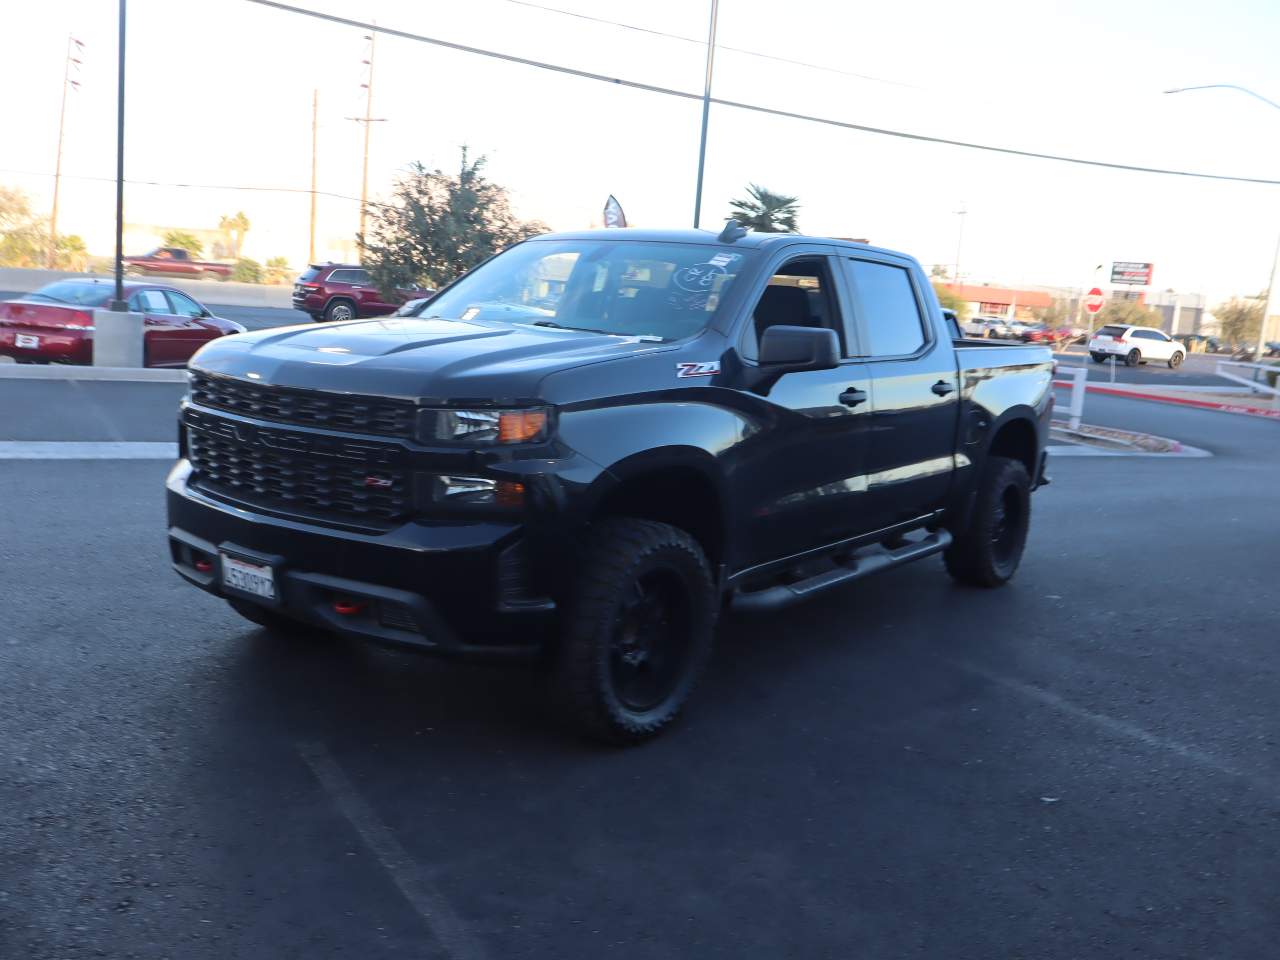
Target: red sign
{"x": 1127, "y": 271}
{"x": 1094, "y": 300}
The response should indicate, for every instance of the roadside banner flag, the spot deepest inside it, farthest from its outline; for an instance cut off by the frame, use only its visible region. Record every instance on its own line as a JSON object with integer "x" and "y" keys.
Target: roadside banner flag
{"x": 613, "y": 215}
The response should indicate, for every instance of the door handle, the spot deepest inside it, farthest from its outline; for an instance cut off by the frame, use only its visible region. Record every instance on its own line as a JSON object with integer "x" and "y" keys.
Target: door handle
{"x": 853, "y": 396}
{"x": 942, "y": 388}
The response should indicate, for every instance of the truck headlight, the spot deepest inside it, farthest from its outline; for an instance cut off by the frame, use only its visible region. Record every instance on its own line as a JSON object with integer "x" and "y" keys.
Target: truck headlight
{"x": 482, "y": 425}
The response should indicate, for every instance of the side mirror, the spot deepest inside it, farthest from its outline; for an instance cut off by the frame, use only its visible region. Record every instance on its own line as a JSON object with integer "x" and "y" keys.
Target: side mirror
{"x": 786, "y": 349}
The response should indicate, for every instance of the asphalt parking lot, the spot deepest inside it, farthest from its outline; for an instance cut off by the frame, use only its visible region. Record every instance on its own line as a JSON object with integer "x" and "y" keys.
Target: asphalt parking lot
{"x": 1083, "y": 764}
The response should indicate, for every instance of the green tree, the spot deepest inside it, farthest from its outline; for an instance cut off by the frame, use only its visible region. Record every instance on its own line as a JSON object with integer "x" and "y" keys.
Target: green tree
{"x": 24, "y": 237}
{"x": 234, "y": 227}
{"x": 1057, "y": 314}
{"x": 277, "y": 270}
{"x": 184, "y": 240}
{"x": 949, "y": 299}
{"x": 438, "y": 226}
{"x": 247, "y": 271}
{"x": 72, "y": 254}
{"x": 1128, "y": 312}
{"x": 765, "y": 211}
{"x": 937, "y": 272}
{"x": 1240, "y": 321}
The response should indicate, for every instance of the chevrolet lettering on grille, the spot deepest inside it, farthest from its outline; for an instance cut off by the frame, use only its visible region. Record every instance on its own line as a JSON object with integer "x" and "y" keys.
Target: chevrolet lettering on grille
{"x": 292, "y": 441}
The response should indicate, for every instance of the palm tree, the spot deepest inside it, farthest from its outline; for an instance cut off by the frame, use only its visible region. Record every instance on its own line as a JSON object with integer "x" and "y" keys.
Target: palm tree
{"x": 766, "y": 211}
{"x": 234, "y": 228}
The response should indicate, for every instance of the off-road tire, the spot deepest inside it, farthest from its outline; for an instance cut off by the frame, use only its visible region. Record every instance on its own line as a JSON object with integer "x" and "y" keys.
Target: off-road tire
{"x": 619, "y": 556}
{"x": 987, "y": 552}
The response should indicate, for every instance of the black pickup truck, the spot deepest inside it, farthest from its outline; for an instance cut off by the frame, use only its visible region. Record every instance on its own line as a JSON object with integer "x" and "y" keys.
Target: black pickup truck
{"x": 590, "y": 445}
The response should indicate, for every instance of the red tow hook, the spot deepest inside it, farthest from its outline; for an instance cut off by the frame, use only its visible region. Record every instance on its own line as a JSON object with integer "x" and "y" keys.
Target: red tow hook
{"x": 203, "y": 565}
{"x": 347, "y": 607}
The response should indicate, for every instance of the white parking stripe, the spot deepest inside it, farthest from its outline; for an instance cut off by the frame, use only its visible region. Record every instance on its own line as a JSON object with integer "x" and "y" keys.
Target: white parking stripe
{"x": 87, "y": 450}
{"x": 422, "y": 894}
{"x": 1118, "y": 727}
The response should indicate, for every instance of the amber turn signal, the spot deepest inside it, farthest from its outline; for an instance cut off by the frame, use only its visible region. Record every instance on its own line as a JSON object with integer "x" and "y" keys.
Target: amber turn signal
{"x": 516, "y": 426}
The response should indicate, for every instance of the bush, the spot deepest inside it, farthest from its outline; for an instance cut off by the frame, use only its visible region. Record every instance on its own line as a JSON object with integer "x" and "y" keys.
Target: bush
{"x": 247, "y": 271}
{"x": 278, "y": 270}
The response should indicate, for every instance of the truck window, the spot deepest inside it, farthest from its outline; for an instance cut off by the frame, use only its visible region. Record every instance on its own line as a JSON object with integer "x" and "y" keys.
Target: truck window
{"x": 799, "y": 294}
{"x": 889, "y": 306}
{"x": 627, "y": 288}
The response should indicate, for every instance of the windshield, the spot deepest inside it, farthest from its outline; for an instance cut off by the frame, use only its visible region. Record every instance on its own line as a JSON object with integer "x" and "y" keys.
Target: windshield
{"x": 76, "y": 292}
{"x": 666, "y": 291}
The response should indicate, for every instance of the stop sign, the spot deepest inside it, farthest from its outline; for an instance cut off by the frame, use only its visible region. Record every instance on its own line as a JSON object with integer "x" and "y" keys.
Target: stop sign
{"x": 1094, "y": 300}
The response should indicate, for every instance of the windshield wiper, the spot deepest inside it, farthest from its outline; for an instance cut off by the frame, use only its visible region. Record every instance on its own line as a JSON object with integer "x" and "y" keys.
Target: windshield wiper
{"x": 561, "y": 326}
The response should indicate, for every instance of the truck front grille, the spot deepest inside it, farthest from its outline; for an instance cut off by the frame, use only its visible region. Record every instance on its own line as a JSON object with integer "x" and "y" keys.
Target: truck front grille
{"x": 380, "y": 416}
{"x": 328, "y": 489}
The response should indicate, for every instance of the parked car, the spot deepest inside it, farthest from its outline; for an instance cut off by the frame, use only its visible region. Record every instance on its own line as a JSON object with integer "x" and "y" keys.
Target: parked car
{"x": 749, "y": 419}
{"x": 55, "y": 323}
{"x": 1055, "y": 337}
{"x": 1136, "y": 345}
{"x": 345, "y": 291}
{"x": 176, "y": 262}
{"x": 988, "y": 328}
{"x": 1199, "y": 343}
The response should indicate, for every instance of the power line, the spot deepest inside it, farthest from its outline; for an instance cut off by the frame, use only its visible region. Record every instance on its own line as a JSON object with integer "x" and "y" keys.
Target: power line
{"x": 755, "y": 108}
{"x": 721, "y": 46}
{"x": 194, "y": 186}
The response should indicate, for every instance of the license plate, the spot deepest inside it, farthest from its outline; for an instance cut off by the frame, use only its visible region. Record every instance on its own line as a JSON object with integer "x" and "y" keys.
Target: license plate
{"x": 248, "y": 577}
{"x": 26, "y": 340}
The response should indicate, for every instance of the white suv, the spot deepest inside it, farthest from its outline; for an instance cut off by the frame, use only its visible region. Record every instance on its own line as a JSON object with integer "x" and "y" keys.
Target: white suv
{"x": 1135, "y": 345}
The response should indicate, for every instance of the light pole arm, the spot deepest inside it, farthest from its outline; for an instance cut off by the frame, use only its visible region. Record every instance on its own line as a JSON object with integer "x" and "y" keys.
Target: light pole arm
{"x": 1227, "y": 86}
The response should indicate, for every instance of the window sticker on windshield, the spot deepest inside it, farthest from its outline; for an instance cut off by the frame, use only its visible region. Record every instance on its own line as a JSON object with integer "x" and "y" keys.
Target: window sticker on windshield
{"x": 700, "y": 277}
{"x": 706, "y": 368}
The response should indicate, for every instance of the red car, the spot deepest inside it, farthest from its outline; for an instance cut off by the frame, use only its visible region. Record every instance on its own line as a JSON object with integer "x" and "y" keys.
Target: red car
{"x": 1050, "y": 335}
{"x": 344, "y": 291}
{"x": 55, "y": 323}
{"x": 176, "y": 262}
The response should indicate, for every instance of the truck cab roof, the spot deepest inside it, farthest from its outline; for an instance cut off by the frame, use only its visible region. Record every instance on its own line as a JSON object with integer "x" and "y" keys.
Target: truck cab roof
{"x": 751, "y": 241}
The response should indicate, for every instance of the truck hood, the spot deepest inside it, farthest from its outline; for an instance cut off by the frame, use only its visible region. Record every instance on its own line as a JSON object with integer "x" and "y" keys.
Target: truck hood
{"x": 414, "y": 357}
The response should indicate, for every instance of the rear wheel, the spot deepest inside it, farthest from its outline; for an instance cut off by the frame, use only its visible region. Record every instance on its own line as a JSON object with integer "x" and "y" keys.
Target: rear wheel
{"x": 1132, "y": 358}
{"x": 340, "y": 310}
{"x": 988, "y": 551}
{"x": 1175, "y": 361}
{"x": 1098, "y": 357}
{"x": 638, "y": 631}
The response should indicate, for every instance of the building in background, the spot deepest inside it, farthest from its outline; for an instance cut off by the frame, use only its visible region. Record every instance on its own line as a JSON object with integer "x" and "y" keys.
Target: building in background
{"x": 1182, "y": 312}
{"x": 1004, "y": 302}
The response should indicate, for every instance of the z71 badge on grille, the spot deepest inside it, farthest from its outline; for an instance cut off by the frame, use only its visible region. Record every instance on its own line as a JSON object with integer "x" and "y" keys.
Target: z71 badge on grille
{"x": 708, "y": 368}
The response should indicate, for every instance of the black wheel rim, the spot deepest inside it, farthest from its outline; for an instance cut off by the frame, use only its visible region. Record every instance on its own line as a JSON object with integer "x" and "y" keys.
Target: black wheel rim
{"x": 650, "y": 644}
{"x": 1006, "y": 527}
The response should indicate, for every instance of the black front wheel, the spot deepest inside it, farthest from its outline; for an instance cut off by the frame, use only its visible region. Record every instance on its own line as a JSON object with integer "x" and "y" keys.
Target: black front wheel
{"x": 638, "y": 631}
{"x": 987, "y": 552}
{"x": 1175, "y": 361}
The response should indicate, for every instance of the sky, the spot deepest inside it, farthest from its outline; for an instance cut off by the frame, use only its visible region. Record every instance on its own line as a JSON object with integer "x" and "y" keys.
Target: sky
{"x": 220, "y": 91}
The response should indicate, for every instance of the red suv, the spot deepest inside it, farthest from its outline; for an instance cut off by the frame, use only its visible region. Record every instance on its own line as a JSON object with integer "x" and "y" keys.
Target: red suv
{"x": 343, "y": 291}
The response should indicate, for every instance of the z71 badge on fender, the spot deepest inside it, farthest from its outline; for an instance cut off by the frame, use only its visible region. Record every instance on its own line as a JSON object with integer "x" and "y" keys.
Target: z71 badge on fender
{"x": 708, "y": 368}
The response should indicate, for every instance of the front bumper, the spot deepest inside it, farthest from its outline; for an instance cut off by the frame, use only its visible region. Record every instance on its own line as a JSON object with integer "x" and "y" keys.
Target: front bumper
{"x": 461, "y": 588}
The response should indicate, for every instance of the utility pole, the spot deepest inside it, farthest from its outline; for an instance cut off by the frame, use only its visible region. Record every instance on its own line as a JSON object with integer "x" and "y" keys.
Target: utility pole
{"x": 73, "y": 47}
{"x": 315, "y": 106}
{"x": 961, "y": 213}
{"x": 367, "y": 120}
{"x": 118, "y": 304}
{"x": 706, "y": 109}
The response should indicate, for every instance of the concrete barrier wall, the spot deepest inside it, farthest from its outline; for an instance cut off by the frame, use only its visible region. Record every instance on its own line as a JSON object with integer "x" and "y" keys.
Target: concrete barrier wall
{"x": 212, "y": 292}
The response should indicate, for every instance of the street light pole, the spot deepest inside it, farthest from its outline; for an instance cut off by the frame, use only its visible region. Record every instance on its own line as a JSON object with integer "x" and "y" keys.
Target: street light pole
{"x": 1268, "y": 303}
{"x": 118, "y": 305}
{"x": 72, "y": 48}
{"x": 706, "y": 109}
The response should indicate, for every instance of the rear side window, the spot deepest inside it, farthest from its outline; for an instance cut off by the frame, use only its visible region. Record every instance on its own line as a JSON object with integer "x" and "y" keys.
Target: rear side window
{"x": 149, "y": 301}
{"x": 889, "y": 306}
{"x": 1111, "y": 331}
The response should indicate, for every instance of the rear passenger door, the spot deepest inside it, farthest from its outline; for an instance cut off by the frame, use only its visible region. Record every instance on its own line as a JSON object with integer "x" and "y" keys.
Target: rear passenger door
{"x": 915, "y": 389}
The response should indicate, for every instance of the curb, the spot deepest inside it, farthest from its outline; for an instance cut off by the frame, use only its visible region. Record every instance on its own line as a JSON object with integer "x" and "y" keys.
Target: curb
{"x": 53, "y": 371}
{"x": 1237, "y": 408}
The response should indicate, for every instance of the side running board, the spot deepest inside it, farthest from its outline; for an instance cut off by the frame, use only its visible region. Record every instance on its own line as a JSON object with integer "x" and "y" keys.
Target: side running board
{"x": 858, "y": 566}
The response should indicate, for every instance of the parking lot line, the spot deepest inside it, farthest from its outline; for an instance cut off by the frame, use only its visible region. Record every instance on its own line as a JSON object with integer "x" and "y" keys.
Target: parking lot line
{"x": 1116, "y": 726}
{"x": 416, "y": 887}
